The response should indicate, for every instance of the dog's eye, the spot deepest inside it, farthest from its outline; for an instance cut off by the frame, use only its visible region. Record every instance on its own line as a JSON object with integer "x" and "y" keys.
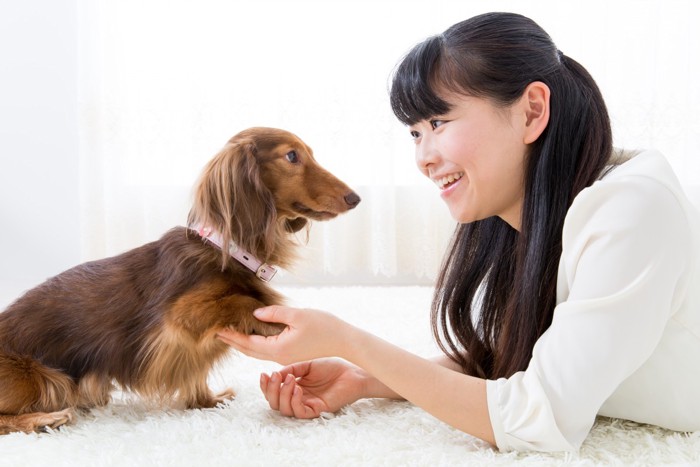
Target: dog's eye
{"x": 292, "y": 157}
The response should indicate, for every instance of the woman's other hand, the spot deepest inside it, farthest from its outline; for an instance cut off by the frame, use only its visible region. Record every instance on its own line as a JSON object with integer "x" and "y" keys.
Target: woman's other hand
{"x": 307, "y": 389}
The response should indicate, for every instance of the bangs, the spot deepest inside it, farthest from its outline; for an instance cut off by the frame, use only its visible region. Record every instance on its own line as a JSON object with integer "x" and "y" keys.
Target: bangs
{"x": 412, "y": 95}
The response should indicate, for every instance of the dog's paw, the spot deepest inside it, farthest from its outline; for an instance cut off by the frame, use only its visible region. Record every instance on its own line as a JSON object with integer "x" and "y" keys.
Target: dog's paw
{"x": 210, "y": 401}
{"x": 226, "y": 395}
{"x": 54, "y": 420}
{"x": 250, "y": 325}
{"x": 262, "y": 328}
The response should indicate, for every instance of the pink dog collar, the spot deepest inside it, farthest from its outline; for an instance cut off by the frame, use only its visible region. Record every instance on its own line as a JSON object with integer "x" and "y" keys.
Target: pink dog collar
{"x": 262, "y": 270}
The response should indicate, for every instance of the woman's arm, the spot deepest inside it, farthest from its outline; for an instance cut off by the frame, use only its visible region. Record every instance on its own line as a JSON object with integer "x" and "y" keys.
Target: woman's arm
{"x": 449, "y": 395}
{"x": 453, "y": 397}
{"x": 372, "y": 387}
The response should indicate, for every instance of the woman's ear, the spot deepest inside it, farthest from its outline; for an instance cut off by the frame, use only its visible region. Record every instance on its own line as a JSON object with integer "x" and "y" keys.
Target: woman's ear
{"x": 535, "y": 103}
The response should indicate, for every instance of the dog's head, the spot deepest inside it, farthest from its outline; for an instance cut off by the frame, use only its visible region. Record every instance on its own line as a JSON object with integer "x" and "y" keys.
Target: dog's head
{"x": 264, "y": 183}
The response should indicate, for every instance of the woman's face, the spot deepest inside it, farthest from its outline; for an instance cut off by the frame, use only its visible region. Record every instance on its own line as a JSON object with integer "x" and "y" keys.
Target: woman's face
{"x": 475, "y": 154}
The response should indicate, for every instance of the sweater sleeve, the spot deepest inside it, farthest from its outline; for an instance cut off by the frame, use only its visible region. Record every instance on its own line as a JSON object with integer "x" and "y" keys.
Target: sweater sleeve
{"x": 623, "y": 255}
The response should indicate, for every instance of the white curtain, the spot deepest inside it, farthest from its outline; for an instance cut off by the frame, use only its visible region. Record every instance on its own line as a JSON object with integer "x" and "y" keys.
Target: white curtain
{"x": 164, "y": 84}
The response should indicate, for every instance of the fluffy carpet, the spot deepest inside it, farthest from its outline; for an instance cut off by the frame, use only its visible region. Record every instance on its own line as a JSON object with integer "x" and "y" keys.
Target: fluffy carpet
{"x": 371, "y": 432}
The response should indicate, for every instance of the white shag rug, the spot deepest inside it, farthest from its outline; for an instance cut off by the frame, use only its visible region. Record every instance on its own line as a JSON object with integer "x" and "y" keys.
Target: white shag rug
{"x": 245, "y": 432}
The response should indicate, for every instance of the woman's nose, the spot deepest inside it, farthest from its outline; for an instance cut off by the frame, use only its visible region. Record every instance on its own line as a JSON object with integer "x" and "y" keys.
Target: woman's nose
{"x": 426, "y": 154}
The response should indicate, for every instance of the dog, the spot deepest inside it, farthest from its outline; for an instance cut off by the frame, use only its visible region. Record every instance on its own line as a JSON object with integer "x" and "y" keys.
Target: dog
{"x": 147, "y": 319}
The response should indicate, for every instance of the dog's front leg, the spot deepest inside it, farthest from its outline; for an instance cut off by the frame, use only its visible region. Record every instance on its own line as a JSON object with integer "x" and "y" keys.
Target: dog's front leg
{"x": 203, "y": 398}
{"x": 183, "y": 351}
{"x": 237, "y": 313}
{"x": 198, "y": 312}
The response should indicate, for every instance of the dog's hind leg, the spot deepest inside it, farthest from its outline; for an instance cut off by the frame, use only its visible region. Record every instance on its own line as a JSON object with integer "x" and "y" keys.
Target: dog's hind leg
{"x": 36, "y": 421}
{"x": 33, "y": 396}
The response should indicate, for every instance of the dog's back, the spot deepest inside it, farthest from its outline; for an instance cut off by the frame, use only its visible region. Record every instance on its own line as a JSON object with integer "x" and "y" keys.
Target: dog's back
{"x": 96, "y": 316}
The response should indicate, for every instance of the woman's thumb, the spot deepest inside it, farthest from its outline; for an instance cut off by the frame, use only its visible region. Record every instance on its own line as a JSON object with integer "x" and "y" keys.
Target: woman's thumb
{"x": 271, "y": 314}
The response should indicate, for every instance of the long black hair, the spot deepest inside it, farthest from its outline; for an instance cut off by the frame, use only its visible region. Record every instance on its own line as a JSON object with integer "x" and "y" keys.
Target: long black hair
{"x": 496, "y": 292}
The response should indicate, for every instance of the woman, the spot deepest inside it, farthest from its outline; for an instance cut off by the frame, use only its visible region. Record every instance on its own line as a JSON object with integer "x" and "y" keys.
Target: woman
{"x": 572, "y": 284}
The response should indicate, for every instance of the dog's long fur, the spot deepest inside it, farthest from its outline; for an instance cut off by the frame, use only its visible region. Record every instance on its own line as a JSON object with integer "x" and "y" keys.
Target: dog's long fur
{"x": 147, "y": 319}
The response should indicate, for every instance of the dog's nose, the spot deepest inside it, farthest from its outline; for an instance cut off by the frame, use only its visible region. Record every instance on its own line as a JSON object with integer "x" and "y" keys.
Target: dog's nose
{"x": 352, "y": 199}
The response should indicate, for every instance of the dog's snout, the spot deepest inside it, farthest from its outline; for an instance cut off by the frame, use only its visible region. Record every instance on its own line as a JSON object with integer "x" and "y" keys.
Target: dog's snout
{"x": 352, "y": 199}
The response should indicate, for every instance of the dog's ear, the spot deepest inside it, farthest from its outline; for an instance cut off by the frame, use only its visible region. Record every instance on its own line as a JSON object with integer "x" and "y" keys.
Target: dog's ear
{"x": 232, "y": 199}
{"x": 295, "y": 225}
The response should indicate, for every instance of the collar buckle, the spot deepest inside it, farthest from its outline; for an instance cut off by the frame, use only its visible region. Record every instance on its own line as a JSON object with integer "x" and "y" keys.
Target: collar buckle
{"x": 265, "y": 272}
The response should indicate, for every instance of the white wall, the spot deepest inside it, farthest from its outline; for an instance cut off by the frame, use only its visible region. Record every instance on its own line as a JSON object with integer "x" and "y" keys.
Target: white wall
{"x": 39, "y": 198}
{"x": 39, "y": 166}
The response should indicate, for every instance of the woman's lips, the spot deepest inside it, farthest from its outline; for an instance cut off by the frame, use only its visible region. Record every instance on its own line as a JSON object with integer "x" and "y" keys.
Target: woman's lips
{"x": 446, "y": 190}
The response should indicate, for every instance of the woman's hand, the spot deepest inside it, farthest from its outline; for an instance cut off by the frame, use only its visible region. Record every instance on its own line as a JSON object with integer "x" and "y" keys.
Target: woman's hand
{"x": 316, "y": 385}
{"x": 309, "y": 334}
{"x": 306, "y": 389}
{"x": 449, "y": 395}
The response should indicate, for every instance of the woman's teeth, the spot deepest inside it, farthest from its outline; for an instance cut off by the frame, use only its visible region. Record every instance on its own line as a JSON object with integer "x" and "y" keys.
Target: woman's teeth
{"x": 443, "y": 182}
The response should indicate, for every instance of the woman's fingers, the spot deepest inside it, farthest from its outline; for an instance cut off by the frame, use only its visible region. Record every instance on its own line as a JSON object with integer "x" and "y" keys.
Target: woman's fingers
{"x": 274, "y": 314}
{"x": 299, "y": 407}
{"x": 273, "y": 391}
{"x": 291, "y": 402}
{"x": 248, "y": 342}
{"x": 298, "y": 369}
{"x": 285, "y": 396}
{"x": 264, "y": 381}
{"x": 266, "y": 386}
{"x": 260, "y": 347}
{"x": 236, "y": 339}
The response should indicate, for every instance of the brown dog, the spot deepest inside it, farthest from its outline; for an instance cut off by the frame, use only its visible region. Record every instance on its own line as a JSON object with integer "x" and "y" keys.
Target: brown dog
{"x": 147, "y": 319}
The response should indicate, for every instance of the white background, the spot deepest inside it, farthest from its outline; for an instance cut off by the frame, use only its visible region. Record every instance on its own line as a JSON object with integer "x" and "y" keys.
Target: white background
{"x": 323, "y": 68}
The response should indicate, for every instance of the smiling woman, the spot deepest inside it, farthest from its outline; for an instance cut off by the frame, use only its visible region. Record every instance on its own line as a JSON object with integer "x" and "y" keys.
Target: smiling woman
{"x": 163, "y": 85}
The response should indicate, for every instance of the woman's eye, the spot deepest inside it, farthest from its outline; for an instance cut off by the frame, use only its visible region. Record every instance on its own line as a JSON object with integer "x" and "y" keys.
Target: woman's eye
{"x": 436, "y": 123}
{"x": 415, "y": 134}
{"x": 292, "y": 157}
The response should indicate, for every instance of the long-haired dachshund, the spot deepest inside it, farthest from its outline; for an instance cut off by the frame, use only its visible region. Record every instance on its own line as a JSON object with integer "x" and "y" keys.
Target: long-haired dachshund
{"x": 147, "y": 319}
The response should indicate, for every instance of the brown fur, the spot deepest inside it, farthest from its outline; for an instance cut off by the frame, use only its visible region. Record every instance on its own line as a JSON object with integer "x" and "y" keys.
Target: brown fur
{"x": 147, "y": 319}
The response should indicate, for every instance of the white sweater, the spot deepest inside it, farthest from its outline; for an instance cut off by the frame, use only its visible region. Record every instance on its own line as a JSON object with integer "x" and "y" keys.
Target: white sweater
{"x": 625, "y": 336}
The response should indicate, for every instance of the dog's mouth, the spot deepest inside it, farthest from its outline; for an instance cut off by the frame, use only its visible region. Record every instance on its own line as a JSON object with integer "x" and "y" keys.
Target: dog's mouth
{"x": 312, "y": 214}
{"x": 295, "y": 225}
